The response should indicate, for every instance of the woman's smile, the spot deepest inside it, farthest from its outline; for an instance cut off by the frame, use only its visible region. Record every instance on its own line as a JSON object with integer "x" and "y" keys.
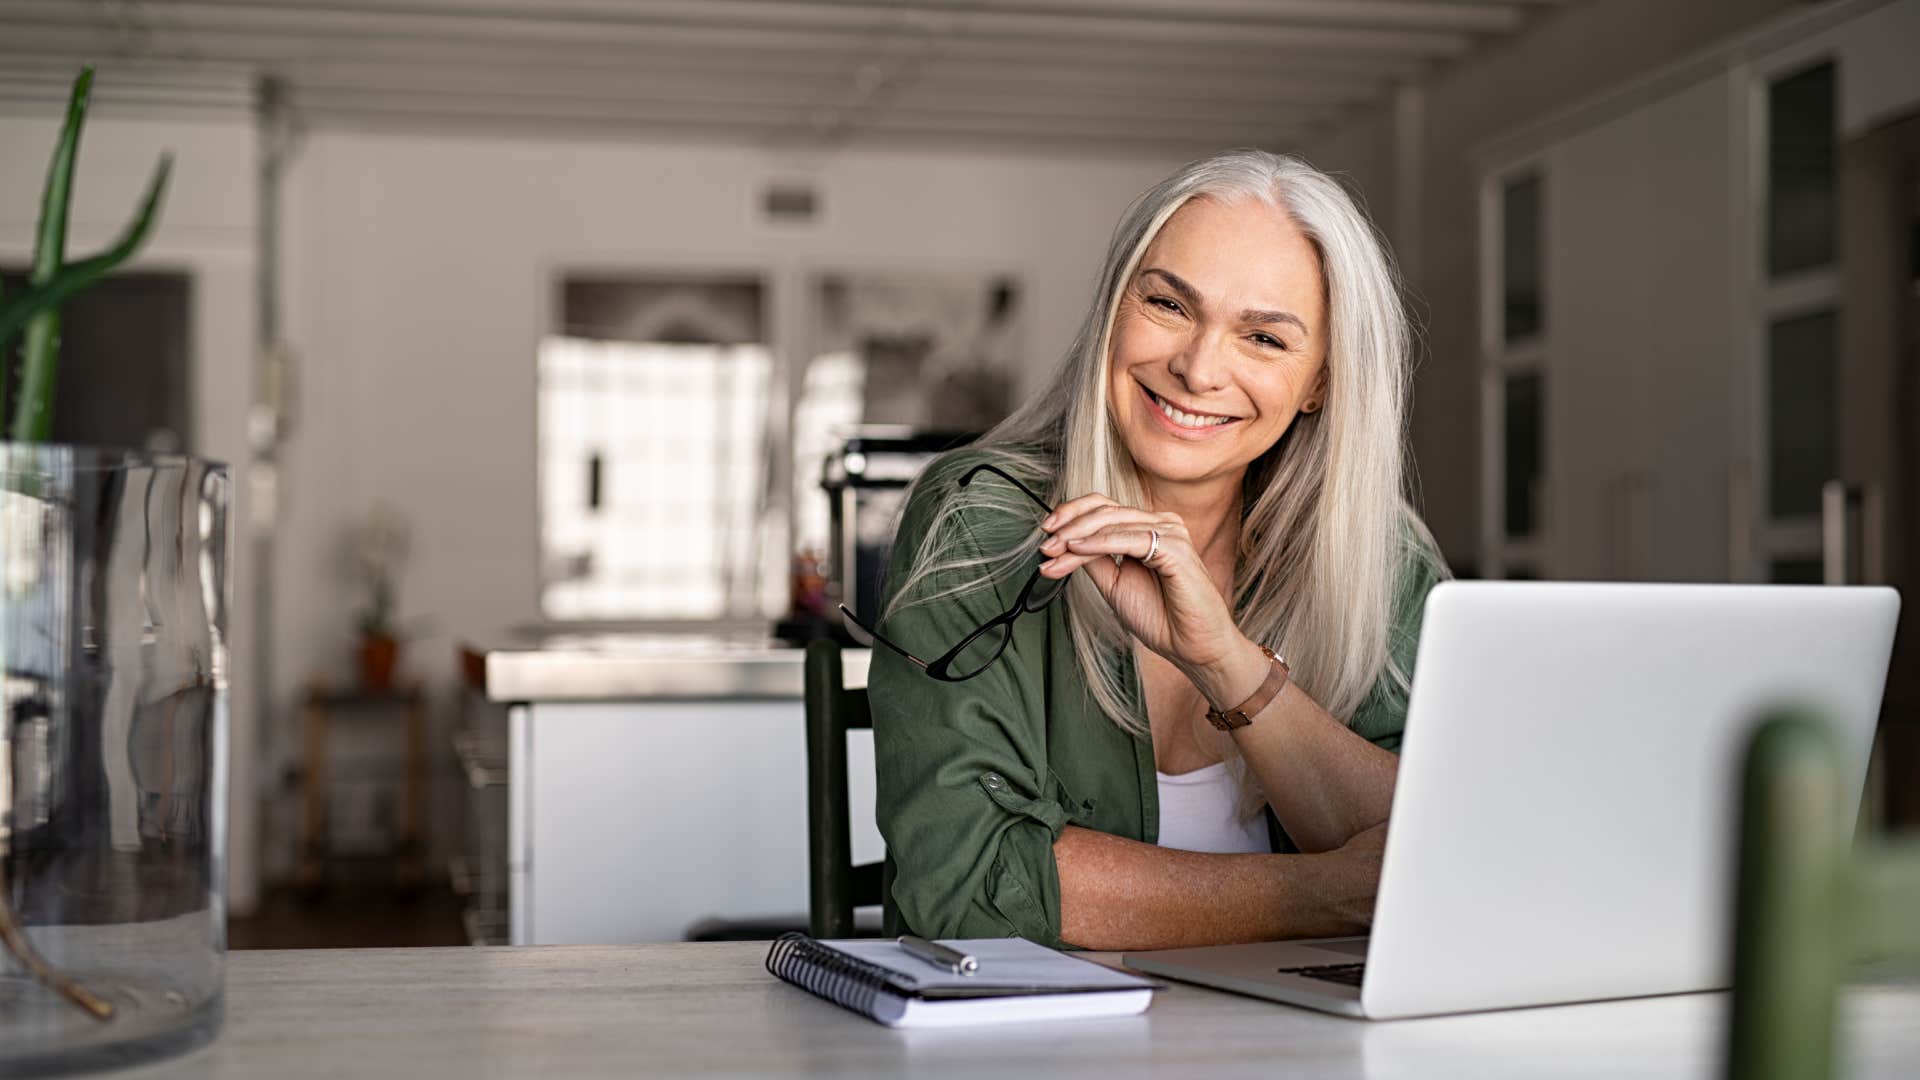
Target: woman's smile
{"x": 1185, "y": 424}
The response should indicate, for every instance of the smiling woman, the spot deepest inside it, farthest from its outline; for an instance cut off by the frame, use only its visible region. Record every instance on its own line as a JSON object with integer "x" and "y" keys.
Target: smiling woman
{"x": 1197, "y": 746}
{"x": 1205, "y": 366}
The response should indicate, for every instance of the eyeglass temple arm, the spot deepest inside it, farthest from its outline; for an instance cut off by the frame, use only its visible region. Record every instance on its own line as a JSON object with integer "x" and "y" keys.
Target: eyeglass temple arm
{"x": 1002, "y": 474}
{"x": 879, "y": 637}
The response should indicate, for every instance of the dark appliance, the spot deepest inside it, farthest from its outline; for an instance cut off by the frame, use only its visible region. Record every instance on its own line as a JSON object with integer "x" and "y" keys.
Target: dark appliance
{"x": 866, "y": 479}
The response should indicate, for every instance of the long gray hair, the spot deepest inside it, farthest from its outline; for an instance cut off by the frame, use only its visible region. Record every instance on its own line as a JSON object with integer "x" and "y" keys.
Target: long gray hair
{"x": 1326, "y": 524}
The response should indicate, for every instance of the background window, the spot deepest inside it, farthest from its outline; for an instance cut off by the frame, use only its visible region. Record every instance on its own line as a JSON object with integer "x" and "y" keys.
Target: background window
{"x": 1798, "y": 572}
{"x": 1522, "y": 451}
{"x": 652, "y": 453}
{"x": 1520, "y": 285}
{"x": 1802, "y": 212}
{"x": 1802, "y": 405}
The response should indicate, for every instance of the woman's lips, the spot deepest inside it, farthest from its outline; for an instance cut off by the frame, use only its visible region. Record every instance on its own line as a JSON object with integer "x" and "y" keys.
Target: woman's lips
{"x": 1166, "y": 422}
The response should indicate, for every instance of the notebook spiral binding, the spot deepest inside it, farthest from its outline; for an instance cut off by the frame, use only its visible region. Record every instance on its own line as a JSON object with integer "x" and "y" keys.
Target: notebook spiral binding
{"x": 828, "y": 973}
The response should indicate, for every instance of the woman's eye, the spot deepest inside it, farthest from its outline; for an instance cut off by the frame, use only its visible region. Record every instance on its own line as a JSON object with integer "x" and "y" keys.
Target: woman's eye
{"x": 1269, "y": 341}
{"x": 1164, "y": 303}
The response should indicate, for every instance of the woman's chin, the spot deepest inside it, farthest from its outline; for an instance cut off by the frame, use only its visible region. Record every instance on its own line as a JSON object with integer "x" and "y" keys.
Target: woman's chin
{"x": 1180, "y": 465}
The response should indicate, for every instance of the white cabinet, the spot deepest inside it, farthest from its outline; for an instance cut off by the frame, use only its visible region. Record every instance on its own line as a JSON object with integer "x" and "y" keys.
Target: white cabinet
{"x": 1646, "y": 424}
{"x": 1638, "y": 351}
{"x": 632, "y": 820}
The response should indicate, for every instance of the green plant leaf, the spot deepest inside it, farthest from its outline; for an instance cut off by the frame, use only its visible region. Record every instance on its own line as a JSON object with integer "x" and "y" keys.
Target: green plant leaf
{"x": 41, "y": 350}
{"x": 33, "y": 412}
{"x": 50, "y": 246}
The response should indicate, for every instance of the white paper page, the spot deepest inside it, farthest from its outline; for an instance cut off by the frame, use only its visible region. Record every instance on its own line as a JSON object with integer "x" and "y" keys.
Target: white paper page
{"x": 1003, "y": 962}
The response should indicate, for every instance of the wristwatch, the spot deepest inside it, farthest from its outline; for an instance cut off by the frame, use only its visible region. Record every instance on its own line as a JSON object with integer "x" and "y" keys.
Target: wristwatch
{"x": 1242, "y": 714}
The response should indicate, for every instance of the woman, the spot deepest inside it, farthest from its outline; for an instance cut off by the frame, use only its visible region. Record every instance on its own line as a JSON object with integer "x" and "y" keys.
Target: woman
{"x": 1215, "y": 470}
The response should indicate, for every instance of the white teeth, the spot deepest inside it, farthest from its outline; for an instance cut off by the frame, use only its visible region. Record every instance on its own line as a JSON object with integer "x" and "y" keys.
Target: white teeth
{"x": 1187, "y": 419}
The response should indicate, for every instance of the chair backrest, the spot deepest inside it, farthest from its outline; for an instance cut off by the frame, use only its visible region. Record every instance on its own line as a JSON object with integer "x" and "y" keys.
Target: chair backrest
{"x": 835, "y": 885}
{"x": 1807, "y": 907}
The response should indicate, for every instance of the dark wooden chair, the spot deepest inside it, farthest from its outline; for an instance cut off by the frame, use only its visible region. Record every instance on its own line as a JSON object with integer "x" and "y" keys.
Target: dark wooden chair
{"x": 835, "y": 885}
{"x": 1808, "y": 908}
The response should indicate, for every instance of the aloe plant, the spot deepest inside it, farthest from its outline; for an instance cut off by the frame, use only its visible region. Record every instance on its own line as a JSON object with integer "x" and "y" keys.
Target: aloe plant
{"x": 54, "y": 280}
{"x": 37, "y": 310}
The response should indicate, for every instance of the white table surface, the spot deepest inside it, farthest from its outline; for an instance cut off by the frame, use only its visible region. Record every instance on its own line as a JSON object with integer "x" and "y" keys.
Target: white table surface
{"x": 712, "y": 1010}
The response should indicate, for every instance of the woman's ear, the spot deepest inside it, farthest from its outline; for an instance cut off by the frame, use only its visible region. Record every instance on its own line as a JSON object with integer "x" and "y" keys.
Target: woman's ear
{"x": 1317, "y": 396}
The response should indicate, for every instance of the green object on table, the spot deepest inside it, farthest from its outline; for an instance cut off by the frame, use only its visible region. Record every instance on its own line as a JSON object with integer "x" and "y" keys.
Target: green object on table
{"x": 834, "y": 885}
{"x": 53, "y": 280}
{"x": 1808, "y": 908}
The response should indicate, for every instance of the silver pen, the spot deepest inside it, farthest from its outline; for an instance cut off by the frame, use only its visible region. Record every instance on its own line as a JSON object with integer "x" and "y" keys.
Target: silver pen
{"x": 939, "y": 955}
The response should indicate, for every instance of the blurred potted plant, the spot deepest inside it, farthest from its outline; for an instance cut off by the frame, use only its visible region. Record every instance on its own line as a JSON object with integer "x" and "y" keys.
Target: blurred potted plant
{"x": 113, "y": 703}
{"x": 381, "y": 548}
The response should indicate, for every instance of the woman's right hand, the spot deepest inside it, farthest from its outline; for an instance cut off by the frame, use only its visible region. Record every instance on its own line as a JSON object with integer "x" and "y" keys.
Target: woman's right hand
{"x": 1168, "y": 602}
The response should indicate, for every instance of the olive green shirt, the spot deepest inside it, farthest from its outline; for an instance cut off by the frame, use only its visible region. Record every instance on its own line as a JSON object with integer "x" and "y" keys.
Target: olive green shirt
{"x": 978, "y": 778}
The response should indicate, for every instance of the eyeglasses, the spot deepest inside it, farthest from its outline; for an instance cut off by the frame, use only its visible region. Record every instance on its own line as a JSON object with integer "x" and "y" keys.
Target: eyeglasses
{"x": 978, "y": 650}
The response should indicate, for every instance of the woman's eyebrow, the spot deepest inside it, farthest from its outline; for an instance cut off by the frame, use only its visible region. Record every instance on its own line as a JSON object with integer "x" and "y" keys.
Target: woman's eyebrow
{"x": 1251, "y": 315}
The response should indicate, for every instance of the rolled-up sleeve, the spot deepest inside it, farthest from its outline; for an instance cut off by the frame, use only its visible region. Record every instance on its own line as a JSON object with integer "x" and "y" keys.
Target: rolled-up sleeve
{"x": 1382, "y": 717}
{"x": 966, "y": 801}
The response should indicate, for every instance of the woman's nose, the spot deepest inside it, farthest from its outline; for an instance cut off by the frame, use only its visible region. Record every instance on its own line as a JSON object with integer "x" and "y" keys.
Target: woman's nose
{"x": 1202, "y": 364}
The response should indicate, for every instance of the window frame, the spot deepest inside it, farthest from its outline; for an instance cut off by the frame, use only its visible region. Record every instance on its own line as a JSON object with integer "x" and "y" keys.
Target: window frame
{"x": 1499, "y": 360}
{"x": 1773, "y": 299}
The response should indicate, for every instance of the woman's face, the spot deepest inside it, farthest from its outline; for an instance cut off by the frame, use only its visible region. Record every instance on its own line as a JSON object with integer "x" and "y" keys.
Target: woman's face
{"x": 1218, "y": 342}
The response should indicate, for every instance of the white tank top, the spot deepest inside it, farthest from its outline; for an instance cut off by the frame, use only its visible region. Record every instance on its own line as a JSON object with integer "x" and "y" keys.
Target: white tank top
{"x": 1198, "y": 813}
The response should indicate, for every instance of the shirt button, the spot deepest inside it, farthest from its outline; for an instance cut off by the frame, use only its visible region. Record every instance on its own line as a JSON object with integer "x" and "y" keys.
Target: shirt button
{"x": 993, "y": 781}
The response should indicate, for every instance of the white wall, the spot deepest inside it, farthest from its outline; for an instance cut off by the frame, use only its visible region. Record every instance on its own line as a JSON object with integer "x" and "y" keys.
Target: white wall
{"x": 207, "y": 229}
{"x": 420, "y": 273}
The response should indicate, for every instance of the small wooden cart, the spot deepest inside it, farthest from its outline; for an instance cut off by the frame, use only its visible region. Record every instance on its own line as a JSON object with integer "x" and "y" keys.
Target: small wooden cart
{"x": 320, "y": 705}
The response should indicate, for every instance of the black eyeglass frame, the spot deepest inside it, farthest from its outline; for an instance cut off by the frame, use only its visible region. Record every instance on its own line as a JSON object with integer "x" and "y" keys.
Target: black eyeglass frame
{"x": 941, "y": 668}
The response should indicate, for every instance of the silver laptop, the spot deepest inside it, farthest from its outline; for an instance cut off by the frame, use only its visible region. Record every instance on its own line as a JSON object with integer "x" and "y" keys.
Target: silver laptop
{"x": 1564, "y": 817}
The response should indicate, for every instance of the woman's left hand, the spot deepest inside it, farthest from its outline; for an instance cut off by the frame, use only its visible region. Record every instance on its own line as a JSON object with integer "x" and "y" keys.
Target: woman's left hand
{"x": 1169, "y": 602}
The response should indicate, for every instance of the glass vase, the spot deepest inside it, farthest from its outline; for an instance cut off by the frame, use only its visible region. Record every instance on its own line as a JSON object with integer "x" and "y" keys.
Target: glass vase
{"x": 113, "y": 743}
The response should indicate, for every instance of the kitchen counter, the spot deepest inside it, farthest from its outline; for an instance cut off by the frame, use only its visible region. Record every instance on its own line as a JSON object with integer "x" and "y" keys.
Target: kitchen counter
{"x": 712, "y": 1010}
{"x": 658, "y": 667}
{"x": 657, "y": 783}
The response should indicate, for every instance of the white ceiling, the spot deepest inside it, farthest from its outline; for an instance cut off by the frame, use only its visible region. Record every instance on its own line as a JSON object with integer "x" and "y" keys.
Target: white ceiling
{"x": 1151, "y": 75}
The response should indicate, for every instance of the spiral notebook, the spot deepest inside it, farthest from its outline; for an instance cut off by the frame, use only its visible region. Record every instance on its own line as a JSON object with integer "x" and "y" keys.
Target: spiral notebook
{"x": 1017, "y": 981}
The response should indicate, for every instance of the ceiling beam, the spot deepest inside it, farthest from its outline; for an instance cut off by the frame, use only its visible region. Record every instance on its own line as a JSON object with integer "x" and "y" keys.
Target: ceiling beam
{"x": 1493, "y": 16}
{"x": 805, "y": 140}
{"x": 958, "y": 76}
{"x": 1113, "y": 60}
{"x": 977, "y": 102}
{"x": 787, "y": 114}
{"x": 1473, "y": 16}
{"x": 536, "y": 24}
{"x": 957, "y": 84}
{"x": 16, "y": 87}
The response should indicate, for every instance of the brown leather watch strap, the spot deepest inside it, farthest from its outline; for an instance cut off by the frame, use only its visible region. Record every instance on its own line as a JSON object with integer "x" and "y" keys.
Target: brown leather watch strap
{"x": 1242, "y": 714}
